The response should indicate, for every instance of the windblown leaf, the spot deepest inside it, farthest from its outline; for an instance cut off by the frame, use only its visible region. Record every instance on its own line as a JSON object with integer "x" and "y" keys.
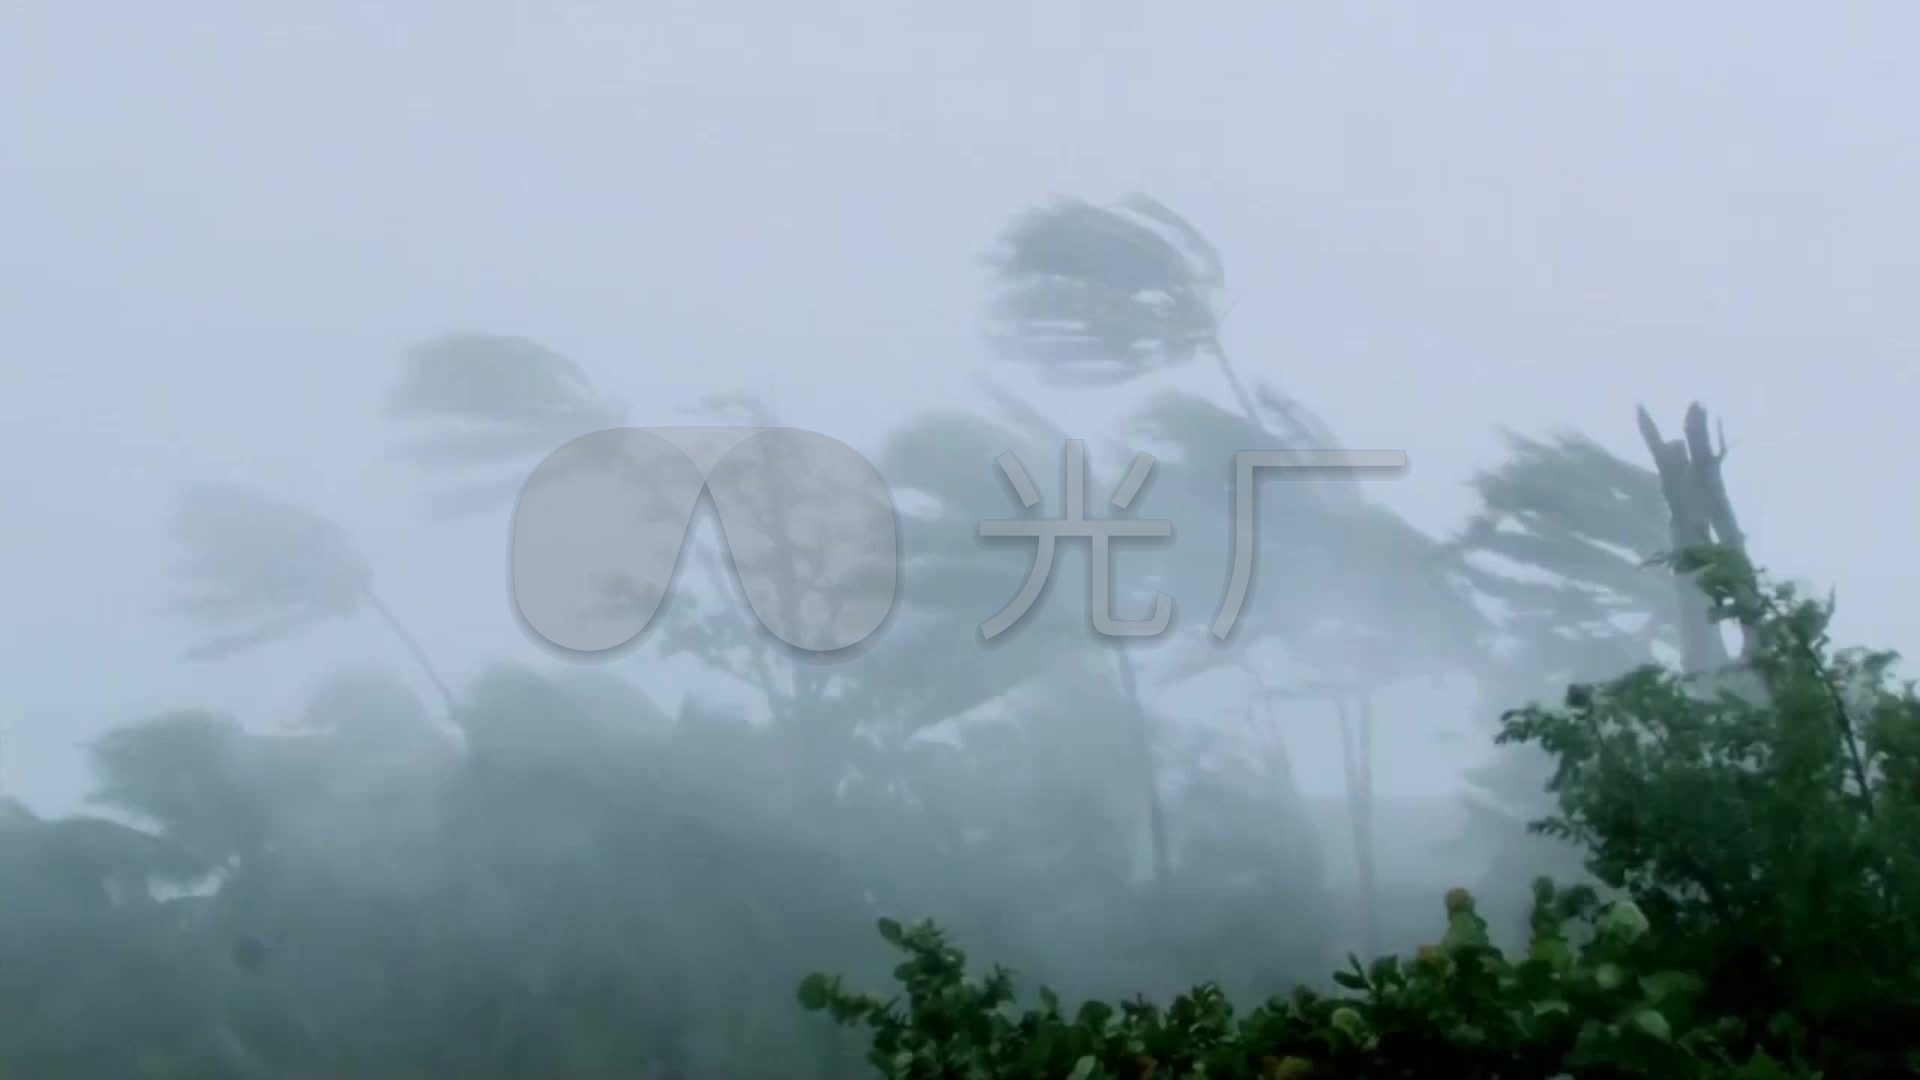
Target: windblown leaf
{"x": 491, "y": 402}
{"x": 266, "y": 567}
{"x": 1571, "y": 527}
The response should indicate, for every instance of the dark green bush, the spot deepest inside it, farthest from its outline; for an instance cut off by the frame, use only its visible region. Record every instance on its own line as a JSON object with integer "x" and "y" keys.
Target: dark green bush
{"x": 1753, "y": 831}
{"x": 1589, "y": 997}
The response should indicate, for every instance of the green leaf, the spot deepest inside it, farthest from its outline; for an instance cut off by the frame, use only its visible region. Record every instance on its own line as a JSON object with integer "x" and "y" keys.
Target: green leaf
{"x": 1552, "y": 951}
{"x": 1650, "y": 1022}
{"x": 1465, "y": 930}
{"x": 816, "y": 991}
{"x": 1094, "y": 1015}
{"x": 1763, "y": 1066}
{"x": 1663, "y": 986}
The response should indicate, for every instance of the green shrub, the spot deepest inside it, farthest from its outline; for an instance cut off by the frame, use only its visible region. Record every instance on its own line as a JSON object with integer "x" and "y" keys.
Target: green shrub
{"x": 1587, "y": 998}
{"x": 1755, "y": 829}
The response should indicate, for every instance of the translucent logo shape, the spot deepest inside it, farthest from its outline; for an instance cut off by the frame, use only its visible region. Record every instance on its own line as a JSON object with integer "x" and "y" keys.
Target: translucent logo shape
{"x": 808, "y": 525}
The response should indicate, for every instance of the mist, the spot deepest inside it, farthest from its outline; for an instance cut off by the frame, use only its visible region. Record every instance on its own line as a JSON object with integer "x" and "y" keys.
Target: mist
{"x": 257, "y": 262}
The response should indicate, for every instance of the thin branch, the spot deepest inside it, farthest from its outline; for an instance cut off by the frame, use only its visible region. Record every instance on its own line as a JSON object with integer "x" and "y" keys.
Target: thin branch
{"x": 412, "y": 645}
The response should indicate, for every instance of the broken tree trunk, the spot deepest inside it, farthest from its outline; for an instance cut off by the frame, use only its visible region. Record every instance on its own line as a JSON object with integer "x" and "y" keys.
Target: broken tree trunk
{"x": 1699, "y": 514}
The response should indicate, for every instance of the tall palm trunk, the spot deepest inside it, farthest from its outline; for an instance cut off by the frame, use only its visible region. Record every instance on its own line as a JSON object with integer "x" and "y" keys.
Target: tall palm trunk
{"x": 1356, "y": 745}
{"x": 1147, "y": 745}
{"x": 1150, "y": 766}
{"x": 1252, "y": 417}
{"x": 412, "y": 645}
{"x": 1239, "y": 388}
{"x": 1356, "y": 740}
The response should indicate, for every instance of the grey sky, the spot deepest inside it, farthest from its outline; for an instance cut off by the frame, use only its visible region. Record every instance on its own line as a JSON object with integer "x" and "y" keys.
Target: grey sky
{"x": 219, "y": 222}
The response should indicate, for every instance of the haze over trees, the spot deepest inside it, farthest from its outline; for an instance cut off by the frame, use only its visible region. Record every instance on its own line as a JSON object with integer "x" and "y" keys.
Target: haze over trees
{"x": 561, "y": 870}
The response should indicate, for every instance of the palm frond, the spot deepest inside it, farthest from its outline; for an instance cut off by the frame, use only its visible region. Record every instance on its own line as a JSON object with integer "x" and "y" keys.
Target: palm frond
{"x": 1093, "y": 295}
{"x": 261, "y": 569}
{"x": 491, "y": 402}
{"x": 1574, "y": 526}
{"x": 491, "y": 378}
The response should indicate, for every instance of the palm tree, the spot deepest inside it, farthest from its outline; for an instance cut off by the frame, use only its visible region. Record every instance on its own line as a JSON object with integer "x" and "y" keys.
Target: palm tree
{"x": 1562, "y": 547}
{"x": 485, "y": 408}
{"x": 482, "y": 409}
{"x": 943, "y": 463}
{"x": 1574, "y": 533}
{"x": 1366, "y": 602}
{"x": 1097, "y": 296}
{"x": 273, "y": 569}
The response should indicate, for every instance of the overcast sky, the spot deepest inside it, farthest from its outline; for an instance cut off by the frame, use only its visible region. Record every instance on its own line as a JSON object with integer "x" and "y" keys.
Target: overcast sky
{"x": 219, "y": 222}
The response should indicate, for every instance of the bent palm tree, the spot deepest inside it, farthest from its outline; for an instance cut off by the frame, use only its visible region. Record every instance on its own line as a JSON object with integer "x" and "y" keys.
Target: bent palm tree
{"x": 271, "y": 570}
{"x": 944, "y": 461}
{"x": 1561, "y": 549}
{"x": 1361, "y": 601}
{"x": 1097, "y": 296}
{"x": 1566, "y": 543}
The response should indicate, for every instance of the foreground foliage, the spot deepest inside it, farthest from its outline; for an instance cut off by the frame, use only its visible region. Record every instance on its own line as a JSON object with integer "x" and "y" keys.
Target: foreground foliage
{"x": 1751, "y": 831}
{"x": 1589, "y": 994}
